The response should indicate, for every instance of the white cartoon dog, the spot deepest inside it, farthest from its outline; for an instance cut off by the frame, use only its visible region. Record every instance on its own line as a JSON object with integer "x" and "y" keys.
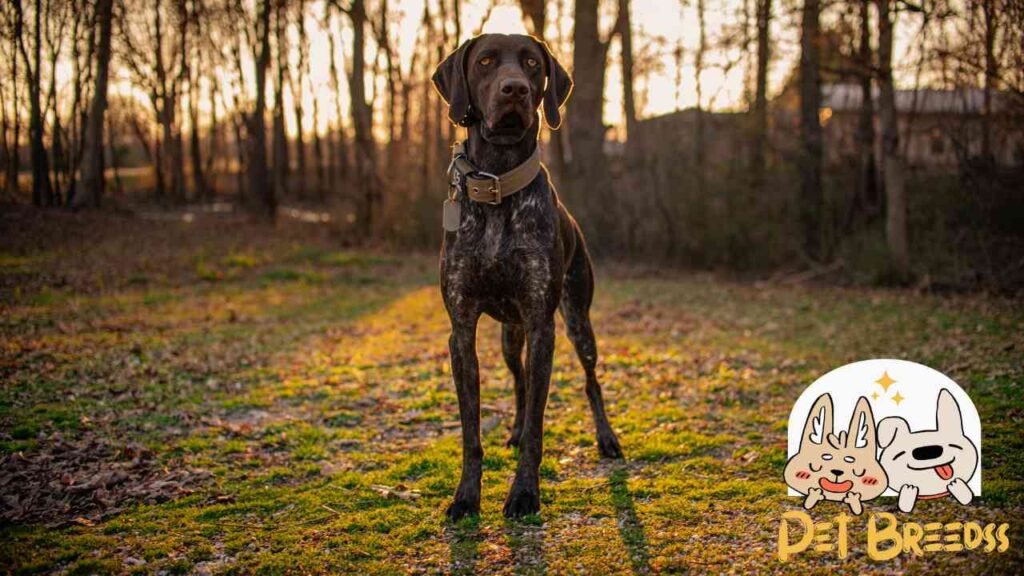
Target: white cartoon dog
{"x": 929, "y": 464}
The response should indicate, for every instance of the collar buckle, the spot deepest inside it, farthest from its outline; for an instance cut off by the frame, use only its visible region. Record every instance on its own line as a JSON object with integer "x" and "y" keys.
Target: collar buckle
{"x": 495, "y": 189}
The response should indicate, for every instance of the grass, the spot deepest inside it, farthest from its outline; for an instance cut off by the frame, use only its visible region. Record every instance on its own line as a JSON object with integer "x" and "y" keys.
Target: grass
{"x": 314, "y": 386}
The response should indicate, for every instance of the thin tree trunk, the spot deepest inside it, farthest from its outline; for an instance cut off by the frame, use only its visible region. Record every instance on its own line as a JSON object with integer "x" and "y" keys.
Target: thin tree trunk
{"x": 279, "y": 138}
{"x": 362, "y": 118}
{"x": 261, "y": 191}
{"x": 698, "y": 69}
{"x": 868, "y": 188}
{"x": 42, "y": 191}
{"x": 892, "y": 162}
{"x": 991, "y": 74}
{"x": 764, "y": 20}
{"x": 811, "y": 201}
{"x": 90, "y": 193}
{"x": 297, "y": 95}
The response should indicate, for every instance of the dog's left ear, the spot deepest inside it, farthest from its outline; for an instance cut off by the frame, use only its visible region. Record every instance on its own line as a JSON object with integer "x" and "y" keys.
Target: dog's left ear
{"x": 558, "y": 89}
{"x": 450, "y": 81}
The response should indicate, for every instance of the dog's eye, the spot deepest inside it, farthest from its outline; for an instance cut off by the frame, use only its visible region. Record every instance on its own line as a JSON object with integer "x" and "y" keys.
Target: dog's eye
{"x": 486, "y": 61}
{"x": 862, "y": 472}
{"x": 811, "y": 466}
{"x": 826, "y": 456}
{"x": 532, "y": 62}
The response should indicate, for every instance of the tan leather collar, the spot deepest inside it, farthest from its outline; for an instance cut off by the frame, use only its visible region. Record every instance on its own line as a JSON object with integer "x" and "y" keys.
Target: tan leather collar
{"x": 490, "y": 188}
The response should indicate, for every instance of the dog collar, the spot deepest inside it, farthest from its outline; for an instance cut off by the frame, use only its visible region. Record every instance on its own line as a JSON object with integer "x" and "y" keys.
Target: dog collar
{"x": 489, "y": 188}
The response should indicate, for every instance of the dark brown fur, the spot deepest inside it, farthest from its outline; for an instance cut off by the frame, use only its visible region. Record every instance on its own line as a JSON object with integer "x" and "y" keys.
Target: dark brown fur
{"x": 517, "y": 262}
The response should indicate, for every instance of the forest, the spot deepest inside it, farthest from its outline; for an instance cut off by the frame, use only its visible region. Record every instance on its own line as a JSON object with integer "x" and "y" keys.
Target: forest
{"x": 740, "y": 129}
{"x": 223, "y": 348}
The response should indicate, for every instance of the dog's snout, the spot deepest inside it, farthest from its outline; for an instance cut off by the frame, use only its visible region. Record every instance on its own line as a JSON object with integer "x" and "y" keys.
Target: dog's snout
{"x": 837, "y": 472}
{"x": 927, "y": 452}
{"x": 515, "y": 88}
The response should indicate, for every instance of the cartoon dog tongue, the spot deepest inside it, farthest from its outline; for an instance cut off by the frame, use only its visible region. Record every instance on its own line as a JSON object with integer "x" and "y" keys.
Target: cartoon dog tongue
{"x": 945, "y": 471}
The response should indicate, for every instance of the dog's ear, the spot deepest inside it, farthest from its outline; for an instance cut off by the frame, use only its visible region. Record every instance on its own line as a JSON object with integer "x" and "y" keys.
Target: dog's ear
{"x": 818, "y": 426}
{"x": 558, "y": 88}
{"x": 862, "y": 427}
{"x": 947, "y": 413}
{"x": 889, "y": 428}
{"x": 450, "y": 81}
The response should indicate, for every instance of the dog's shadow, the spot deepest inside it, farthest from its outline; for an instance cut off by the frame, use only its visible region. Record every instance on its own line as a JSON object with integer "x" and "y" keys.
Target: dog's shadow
{"x": 631, "y": 529}
{"x": 525, "y": 537}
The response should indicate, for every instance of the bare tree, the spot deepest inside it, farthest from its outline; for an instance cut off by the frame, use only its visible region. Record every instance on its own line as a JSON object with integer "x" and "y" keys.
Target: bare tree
{"x": 892, "y": 160}
{"x": 764, "y": 21}
{"x": 42, "y": 190}
{"x": 262, "y": 200}
{"x": 90, "y": 194}
{"x": 811, "y": 199}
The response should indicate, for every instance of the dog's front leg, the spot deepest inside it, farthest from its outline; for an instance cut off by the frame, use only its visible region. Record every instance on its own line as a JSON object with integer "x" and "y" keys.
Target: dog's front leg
{"x": 466, "y": 373}
{"x": 524, "y": 497}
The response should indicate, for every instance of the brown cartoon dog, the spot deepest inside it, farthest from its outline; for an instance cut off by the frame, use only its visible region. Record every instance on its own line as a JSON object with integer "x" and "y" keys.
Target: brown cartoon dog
{"x": 841, "y": 468}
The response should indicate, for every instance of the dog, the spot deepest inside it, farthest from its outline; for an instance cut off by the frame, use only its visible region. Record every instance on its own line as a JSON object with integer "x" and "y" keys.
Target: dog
{"x": 840, "y": 468}
{"x": 929, "y": 464}
{"x": 515, "y": 258}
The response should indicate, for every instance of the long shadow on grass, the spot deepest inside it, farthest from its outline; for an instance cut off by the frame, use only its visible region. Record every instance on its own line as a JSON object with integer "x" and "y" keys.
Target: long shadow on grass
{"x": 526, "y": 540}
{"x": 465, "y": 546}
{"x": 631, "y": 529}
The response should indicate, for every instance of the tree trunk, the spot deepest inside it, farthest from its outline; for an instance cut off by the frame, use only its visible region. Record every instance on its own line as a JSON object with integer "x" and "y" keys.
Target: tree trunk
{"x": 260, "y": 190}
{"x": 991, "y": 74}
{"x": 764, "y": 21}
{"x": 362, "y": 120}
{"x": 625, "y": 33}
{"x": 868, "y": 185}
{"x": 297, "y": 94}
{"x": 42, "y": 191}
{"x": 892, "y": 162}
{"x": 90, "y": 193}
{"x": 811, "y": 201}
{"x": 587, "y": 169}
{"x": 280, "y": 141}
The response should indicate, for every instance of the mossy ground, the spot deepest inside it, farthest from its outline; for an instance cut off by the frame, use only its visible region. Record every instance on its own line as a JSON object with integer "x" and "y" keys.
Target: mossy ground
{"x": 314, "y": 384}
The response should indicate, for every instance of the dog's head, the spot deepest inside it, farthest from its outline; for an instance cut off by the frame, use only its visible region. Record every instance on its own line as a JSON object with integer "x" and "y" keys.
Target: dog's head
{"x": 928, "y": 459}
{"x": 841, "y": 463}
{"x": 500, "y": 80}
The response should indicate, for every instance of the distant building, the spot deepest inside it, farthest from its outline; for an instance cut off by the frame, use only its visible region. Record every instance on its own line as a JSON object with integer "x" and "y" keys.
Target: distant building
{"x": 938, "y": 128}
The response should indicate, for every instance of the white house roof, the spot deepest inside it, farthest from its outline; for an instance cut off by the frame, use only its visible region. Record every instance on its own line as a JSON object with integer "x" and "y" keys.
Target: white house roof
{"x": 847, "y": 98}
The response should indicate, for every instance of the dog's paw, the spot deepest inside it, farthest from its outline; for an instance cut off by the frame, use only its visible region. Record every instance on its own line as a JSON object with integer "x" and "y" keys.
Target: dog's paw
{"x": 961, "y": 491}
{"x": 608, "y": 445}
{"x": 522, "y": 501}
{"x": 460, "y": 508}
{"x": 814, "y": 495}
{"x": 852, "y": 499}
{"x": 907, "y": 498}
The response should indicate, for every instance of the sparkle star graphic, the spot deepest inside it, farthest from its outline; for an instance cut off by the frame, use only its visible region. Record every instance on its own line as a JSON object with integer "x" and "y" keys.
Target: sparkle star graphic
{"x": 885, "y": 381}
{"x": 897, "y": 398}
{"x": 874, "y": 396}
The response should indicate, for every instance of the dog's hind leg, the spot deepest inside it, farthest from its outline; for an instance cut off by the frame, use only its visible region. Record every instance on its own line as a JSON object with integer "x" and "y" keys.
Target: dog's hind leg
{"x": 513, "y": 338}
{"x": 466, "y": 373}
{"x": 575, "y": 307}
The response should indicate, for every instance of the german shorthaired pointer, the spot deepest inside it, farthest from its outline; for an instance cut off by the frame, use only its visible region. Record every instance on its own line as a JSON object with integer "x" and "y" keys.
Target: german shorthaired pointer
{"x": 511, "y": 251}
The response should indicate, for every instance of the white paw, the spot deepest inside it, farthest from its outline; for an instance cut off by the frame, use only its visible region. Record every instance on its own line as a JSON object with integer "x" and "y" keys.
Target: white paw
{"x": 908, "y": 496}
{"x": 961, "y": 491}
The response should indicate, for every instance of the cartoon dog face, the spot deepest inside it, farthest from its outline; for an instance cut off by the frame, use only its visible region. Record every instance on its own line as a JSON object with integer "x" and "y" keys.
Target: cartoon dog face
{"x": 929, "y": 459}
{"x": 837, "y": 464}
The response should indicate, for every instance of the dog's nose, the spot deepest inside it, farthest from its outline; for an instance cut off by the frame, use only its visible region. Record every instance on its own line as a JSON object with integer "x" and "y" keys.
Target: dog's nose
{"x": 837, "y": 472}
{"x": 927, "y": 452}
{"x": 515, "y": 88}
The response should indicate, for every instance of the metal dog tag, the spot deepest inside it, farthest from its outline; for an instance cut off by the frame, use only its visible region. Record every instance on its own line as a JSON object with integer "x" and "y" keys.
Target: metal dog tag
{"x": 452, "y": 211}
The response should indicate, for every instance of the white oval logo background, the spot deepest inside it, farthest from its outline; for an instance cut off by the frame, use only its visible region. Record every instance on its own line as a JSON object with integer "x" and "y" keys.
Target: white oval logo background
{"x": 894, "y": 388}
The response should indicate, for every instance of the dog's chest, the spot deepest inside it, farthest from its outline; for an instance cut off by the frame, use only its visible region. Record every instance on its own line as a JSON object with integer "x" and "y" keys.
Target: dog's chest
{"x": 499, "y": 248}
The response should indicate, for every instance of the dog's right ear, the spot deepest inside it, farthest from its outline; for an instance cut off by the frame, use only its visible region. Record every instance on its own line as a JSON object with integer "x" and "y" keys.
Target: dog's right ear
{"x": 450, "y": 82}
{"x": 819, "y": 421}
{"x": 889, "y": 428}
